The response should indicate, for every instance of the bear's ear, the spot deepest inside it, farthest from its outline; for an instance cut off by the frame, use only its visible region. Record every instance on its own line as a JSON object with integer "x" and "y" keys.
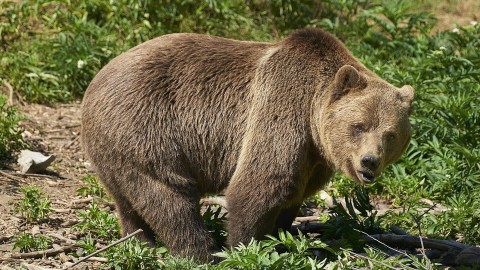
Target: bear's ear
{"x": 406, "y": 95}
{"x": 346, "y": 79}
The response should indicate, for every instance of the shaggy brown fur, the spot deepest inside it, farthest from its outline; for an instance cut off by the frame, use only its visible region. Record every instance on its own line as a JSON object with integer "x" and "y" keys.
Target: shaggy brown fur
{"x": 184, "y": 115}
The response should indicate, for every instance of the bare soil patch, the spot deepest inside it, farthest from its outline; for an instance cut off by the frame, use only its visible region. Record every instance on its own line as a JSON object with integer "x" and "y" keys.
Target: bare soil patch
{"x": 51, "y": 130}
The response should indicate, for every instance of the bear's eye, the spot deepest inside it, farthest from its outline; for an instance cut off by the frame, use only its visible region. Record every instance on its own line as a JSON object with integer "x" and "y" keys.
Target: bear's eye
{"x": 358, "y": 129}
{"x": 390, "y": 136}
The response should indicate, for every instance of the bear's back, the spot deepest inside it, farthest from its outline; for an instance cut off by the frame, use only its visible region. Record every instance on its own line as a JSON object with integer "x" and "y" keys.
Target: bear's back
{"x": 182, "y": 97}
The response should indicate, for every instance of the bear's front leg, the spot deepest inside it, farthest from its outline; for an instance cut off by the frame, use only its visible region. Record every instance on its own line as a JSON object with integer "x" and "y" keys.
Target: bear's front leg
{"x": 256, "y": 202}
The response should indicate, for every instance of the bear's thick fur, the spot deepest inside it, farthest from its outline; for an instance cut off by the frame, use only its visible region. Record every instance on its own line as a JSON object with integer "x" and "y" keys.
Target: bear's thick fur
{"x": 185, "y": 115}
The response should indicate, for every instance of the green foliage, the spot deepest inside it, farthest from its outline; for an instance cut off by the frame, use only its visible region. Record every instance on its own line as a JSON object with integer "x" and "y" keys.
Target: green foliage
{"x": 214, "y": 221}
{"x": 264, "y": 254}
{"x": 87, "y": 243}
{"x": 33, "y": 206}
{"x": 176, "y": 263}
{"x": 131, "y": 255}
{"x": 98, "y": 222}
{"x": 10, "y": 134}
{"x": 357, "y": 215}
{"x": 93, "y": 187}
{"x": 27, "y": 242}
{"x": 373, "y": 258}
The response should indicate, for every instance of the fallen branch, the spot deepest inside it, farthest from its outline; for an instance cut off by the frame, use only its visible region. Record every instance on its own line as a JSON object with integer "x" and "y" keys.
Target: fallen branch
{"x": 373, "y": 260}
{"x": 37, "y": 175}
{"x": 306, "y": 219}
{"x": 43, "y": 253}
{"x": 98, "y": 259}
{"x": 72, "y": 142}
{"x": 59, "y": 210}
{"x": 76, "y": 203}
{"x": 62, "y": 238}
{"x": 81, "y": 201}
{"x": 107, "y": 247}
{"x": 398, "y": 230}
{"x": 410, "y": 241}
{"x": 310, "y": 227}
{"x": 13, "y": 177}
{"x": 33, "y": 267}
{"x": 450, "y": 252}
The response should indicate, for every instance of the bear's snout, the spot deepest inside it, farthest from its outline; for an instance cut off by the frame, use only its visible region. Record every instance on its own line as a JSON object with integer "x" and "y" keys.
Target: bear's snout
{"x": 370, "y": 162}
{"x": 369, "y": 165}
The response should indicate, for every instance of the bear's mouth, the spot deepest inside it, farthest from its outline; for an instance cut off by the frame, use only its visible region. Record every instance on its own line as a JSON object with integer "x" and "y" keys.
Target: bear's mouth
{"x": 366, "y": 176}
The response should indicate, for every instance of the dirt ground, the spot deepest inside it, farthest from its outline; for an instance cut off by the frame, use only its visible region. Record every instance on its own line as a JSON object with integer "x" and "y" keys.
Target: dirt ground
{"x": 54, "y": 131}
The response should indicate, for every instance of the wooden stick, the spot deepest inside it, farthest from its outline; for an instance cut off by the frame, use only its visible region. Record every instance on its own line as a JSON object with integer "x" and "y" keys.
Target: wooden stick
{"x": 43, "y": 253}
{"x": 8, "y": 175}
{"x": 83, "y": 200}
{"x": 306, "y": 219}
{"x": 98, "y": 259}
{"x": 62, "y": 238}
{"x": 411, "y": 241}
{"x": 397, "y": 230}
{"x": 38, "y": 175}
{"x": 33, "y": 267}
{"x": 373, "y": 260}
{"x": 107, "y": 247}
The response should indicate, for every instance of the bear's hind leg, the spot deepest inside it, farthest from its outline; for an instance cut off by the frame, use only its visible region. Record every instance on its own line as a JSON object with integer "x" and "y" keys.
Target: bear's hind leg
{"x": 130, "y": 221}
{"x": 171, "y": 209}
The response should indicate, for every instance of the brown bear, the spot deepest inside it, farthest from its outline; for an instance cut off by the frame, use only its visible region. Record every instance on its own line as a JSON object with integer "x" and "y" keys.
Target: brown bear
{"x": 267, "y": 124}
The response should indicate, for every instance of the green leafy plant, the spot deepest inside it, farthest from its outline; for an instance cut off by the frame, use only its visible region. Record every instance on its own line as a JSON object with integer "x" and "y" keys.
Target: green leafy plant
{"x": 98, "y": 222}
{"x": 214, "y": 221}
{"x": 10, "y": 133}
{"x": 27, "y": 242}
{"x": 33, "y": 206}
{"x": 264, "y": 254}
{"x": 357, "y": 215}
{"x": 374, "y": 258}
{"x": 131, "y": 255}
{"x": 92, "y": 188}
{"x": 87, "y": 243}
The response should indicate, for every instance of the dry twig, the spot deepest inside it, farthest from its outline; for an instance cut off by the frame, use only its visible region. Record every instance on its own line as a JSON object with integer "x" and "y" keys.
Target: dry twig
{"x": 13, "y": 177}
{"x": 107, "y": 247}
{"x": 62, "y": 238}
{"x": 306, "y": 219}
{"x": 42, "y": 253}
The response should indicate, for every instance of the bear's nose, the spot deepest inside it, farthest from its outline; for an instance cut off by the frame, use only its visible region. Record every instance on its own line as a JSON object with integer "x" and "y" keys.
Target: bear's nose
{"x": 370, "y": 162}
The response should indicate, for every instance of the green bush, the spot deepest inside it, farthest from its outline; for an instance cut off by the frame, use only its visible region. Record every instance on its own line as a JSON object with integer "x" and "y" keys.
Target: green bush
{"x": 34, "y": 206}
{"x": 98, "y": 222}
{"x": 131, "y": 255}
{"x": 10, "y": 133}
{"x": 264, "y": 254}
{"x": 27, "y": 242}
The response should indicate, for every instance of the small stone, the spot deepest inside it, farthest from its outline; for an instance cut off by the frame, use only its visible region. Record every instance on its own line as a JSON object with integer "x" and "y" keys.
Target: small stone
{"x": 34, "y": 162}
{"x": 35, "y": 230}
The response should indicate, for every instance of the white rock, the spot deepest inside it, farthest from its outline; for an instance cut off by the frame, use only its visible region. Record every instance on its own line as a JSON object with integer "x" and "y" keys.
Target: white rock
{"x": 34, "y": 162}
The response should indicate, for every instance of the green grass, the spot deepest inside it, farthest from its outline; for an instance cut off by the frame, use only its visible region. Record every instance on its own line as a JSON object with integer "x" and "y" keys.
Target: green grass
{"x": 52, "y": 49}
{"x": 34, "y": 206}
{"x": 27, "y": 242}
{"x": 10, "y": 133}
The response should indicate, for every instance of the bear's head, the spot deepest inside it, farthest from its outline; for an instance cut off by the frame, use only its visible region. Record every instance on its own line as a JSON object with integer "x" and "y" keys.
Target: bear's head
{"x": 363, "y": 123}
